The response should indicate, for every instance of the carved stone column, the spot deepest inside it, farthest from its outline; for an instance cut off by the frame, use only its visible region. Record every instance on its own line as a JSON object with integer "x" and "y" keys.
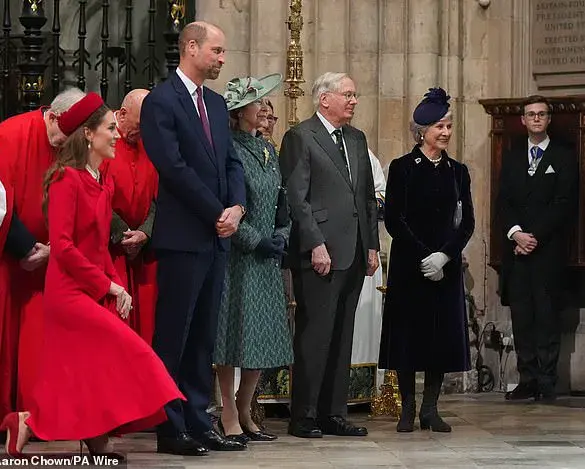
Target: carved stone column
{"x": 363, "y": 65}
{"x": 233, "y": 17}
{"x": 393, "y": 136}
{"x": 423, "y": 48}
{"x": 268, "y": 35}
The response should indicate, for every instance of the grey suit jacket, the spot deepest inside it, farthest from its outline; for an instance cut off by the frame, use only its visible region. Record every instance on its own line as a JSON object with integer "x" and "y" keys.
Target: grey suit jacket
{"x": 326, "y": 207}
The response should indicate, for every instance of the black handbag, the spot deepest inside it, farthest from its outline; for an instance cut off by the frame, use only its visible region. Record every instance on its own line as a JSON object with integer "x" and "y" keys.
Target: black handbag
{"x": 282, "y": 218}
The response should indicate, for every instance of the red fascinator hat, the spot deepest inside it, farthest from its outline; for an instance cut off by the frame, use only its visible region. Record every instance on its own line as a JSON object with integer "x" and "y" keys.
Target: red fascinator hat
{"x": 77, "y": 114}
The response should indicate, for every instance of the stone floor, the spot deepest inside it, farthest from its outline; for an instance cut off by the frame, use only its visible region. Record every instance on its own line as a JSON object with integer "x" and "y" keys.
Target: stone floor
{"x": 488, "y": 433}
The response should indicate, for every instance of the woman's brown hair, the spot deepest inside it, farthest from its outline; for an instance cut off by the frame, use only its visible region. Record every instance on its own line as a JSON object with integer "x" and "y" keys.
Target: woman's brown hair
{"x": 74, "y": 153}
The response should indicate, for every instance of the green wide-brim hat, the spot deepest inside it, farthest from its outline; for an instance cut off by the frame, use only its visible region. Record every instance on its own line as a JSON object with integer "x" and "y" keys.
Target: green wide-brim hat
{"x": 240, "y": 92}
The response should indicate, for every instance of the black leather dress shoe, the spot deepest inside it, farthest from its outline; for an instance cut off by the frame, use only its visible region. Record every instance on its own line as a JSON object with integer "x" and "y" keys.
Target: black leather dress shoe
{"x": 546, "y": 394}
{"x": 306, "y": 428}
{"x": 214, "y": 441}
{"x": 522, "y": 391}
{"x": 183, "y": 444}
{"x": 259, "y": 435}
{"x": 339, "y": 426}
{"x": 242, "y": 437}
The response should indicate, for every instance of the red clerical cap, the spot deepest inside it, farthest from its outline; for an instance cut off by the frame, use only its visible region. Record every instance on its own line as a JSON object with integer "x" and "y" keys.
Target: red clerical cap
{"x": 77, "y": 114}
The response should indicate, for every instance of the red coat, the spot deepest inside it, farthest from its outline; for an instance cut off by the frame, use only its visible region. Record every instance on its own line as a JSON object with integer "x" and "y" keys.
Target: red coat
{"x": 26, "y": 155}
{"x": 96, "y": 374}
{"x": 136, "y": 184}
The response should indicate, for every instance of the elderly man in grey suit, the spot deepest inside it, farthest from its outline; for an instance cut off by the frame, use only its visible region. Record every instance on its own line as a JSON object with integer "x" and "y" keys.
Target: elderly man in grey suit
{"x": 333, "y": 245}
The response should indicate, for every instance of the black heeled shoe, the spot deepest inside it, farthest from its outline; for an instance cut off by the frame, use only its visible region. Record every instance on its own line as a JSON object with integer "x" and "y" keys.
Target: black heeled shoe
{"x": 259, "y": 435}
{"x": 94, "y": 454}
{"x": 241, "y": 438}
{"x": 433, "y": 421}
{"x": 406, "y": 422}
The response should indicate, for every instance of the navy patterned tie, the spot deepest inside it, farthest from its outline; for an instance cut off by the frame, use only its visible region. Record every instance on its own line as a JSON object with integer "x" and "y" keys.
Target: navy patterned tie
{"x": 341, "y": 148}
{"x": 535, "y": 156}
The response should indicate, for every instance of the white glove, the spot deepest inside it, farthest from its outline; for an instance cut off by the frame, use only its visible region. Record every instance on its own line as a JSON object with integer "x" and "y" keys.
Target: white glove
{"x": 435, "y": 278}
{"x": 433, "y": 263}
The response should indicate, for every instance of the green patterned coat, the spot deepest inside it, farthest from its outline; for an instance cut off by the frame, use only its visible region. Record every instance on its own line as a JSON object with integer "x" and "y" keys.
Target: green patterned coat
{"x": 253, "y": 330}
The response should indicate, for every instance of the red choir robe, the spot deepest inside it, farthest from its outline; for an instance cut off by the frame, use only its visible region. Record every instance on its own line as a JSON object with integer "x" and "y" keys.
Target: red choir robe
{"x": 26, "y": 155}
{"x": 5, "y": 211}
{"x": 7, "y": 360}
{"x": 136, "y": 184}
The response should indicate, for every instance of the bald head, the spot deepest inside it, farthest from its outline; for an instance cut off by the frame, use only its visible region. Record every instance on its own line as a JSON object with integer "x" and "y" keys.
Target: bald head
{"x": 134, "y": 99}
{"x": 129, "y": 115}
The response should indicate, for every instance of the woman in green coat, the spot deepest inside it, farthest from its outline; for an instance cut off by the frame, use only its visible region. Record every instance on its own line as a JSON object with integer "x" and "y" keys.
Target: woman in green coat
{"x": 253, "y": 331}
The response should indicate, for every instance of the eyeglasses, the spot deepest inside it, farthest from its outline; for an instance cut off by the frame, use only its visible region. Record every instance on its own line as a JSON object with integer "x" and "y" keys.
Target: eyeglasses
{"x": 272, "y": 118}
{"x": 347, "y": 95}
{"x": 532, "y": 114}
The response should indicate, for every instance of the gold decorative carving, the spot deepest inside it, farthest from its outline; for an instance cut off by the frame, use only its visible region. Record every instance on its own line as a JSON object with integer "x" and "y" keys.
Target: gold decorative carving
{"x": 32, "y": 86}
{"x": 388, "y": 402}
{"x": 294, "y": 61}
{"x": 177, "y": 11}
{"x": 34, "y": 5}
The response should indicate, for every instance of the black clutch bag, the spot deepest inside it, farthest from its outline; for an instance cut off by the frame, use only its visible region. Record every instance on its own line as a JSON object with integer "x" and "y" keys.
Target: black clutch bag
{"x": 381, "y": 205}
{"x": 282, "y": 213}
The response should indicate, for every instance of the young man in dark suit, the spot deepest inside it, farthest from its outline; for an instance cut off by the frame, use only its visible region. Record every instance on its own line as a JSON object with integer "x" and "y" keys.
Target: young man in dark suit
{"x": 201, "y": 197}
{"x": 333, "y": 245}
{"x": 537, "y": 201}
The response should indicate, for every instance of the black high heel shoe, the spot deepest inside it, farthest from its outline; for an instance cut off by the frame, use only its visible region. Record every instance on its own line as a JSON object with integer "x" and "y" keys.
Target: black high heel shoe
{"x": 241, "y": 438}
{"x": 433, "y": 421}
{"x": 259, "y": 435}
{"x": 94, "y": 454}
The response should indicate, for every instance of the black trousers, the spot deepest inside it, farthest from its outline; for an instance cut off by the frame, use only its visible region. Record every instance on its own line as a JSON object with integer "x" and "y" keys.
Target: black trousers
{"x": 535, "y": 323}
{"x": 189, "y": 294}
{"x": 324, "y": 321}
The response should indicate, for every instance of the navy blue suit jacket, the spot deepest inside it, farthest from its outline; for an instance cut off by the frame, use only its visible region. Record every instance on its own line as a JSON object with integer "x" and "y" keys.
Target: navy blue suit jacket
{"x": 196, "y": 181}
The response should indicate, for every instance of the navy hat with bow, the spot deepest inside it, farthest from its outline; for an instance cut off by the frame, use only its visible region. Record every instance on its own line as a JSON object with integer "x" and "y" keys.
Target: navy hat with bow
{"x": 432, "y": 108}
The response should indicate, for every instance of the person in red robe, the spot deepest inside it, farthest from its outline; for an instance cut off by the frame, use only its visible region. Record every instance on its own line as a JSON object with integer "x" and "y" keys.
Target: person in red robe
{"x": 97, "y": 376}
{"x": 136, "y": 183}
{"x": 27, "y": 149}
{"x": 5, "y": 213}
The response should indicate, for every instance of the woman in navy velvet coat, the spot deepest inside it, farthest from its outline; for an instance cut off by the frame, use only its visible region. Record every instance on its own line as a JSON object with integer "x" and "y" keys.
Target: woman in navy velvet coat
{"x": 429, "y": 214}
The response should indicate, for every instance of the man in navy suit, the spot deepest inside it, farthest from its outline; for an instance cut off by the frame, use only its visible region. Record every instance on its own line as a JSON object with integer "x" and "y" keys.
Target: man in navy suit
{"x": 201, "y": 199}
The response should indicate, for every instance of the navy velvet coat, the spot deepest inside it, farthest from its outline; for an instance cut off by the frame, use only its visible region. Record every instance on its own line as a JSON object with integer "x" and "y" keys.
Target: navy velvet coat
{"x": 425, "y": 322}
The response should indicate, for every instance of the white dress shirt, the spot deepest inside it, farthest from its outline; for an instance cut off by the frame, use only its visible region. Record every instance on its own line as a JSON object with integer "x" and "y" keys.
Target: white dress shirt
{"x": 330, "y": 128}
{"x": 543, "y": 146}
{"x": 192, "y": 89}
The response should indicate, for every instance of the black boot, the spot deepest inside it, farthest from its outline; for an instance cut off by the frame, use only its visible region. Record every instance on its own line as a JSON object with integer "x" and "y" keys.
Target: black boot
{"x": 429, "y": 415}
{"x": 406, "y": 383}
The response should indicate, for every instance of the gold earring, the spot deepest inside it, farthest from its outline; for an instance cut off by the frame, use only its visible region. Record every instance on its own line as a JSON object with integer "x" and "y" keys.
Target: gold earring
{"x": 89, "y": 145}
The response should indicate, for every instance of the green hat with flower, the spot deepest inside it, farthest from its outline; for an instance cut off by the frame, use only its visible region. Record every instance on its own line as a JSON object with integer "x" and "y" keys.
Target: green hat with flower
{"x": 240, "y": 92}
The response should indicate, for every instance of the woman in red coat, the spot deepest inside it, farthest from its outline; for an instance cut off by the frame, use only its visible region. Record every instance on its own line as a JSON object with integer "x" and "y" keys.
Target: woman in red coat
{"x": 97, "y": 375}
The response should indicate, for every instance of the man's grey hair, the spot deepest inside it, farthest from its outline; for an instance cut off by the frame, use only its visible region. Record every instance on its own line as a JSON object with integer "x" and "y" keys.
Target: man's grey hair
{"x": 329, "y": 81}
{"x": 64, "y": 100}
{"x": 418, "y": 131}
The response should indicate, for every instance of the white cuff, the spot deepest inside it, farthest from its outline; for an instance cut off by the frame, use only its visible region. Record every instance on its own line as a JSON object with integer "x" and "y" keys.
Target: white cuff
{"x": 513, "y": 230}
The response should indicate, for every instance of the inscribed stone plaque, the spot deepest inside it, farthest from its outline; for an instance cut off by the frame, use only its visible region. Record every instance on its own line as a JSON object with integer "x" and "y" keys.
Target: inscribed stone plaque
{"x": 558, "y": 37}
